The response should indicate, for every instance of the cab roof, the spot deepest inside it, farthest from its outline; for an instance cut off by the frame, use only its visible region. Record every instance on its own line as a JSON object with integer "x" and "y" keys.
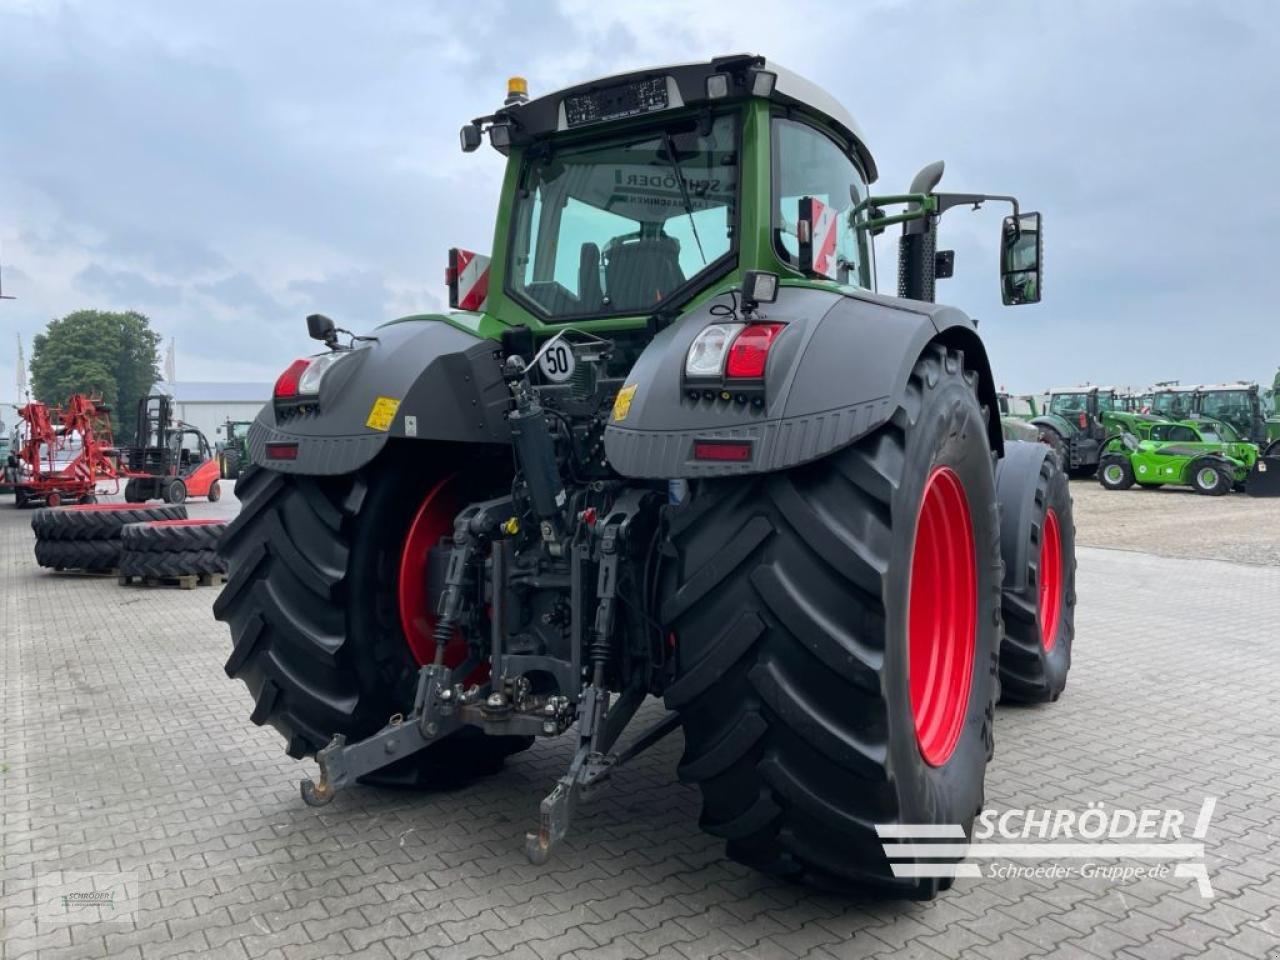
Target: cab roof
{"x": 1238, "y": 385}
{"x": 625, "y": 96}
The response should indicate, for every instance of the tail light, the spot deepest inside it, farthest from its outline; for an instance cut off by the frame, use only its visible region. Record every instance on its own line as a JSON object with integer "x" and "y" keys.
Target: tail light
{"x": 1084, "y": 421}
{"x": 302, "y": 377}
{"x": 734, "y": 351}
{"x": 750, "y": 351}
{"x": 287, "y": 382}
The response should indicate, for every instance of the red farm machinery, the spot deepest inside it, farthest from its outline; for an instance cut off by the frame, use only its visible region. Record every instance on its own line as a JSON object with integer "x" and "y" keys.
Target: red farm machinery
{"x": 63, "y": 453}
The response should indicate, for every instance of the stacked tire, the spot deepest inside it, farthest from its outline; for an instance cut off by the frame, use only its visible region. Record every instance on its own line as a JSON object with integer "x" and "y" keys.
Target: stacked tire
{"x": 162, "y": 548}
{"x": 88, "y": 536}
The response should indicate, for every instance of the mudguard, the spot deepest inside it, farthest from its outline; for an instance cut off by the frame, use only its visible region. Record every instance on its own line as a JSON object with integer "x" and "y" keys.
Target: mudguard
{"x": 446, "y": 381}
{"x": 1064, "y": 427}
{"x": 1017, "y": 475}
{"x": 837, "y": 372}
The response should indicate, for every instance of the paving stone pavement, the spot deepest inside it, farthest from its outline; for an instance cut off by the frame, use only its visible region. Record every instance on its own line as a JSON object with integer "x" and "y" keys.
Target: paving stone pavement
{"x": 125, "y": 749}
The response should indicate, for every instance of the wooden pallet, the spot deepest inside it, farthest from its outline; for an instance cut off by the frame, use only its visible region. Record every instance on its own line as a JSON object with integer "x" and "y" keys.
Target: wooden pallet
{"x": 81, "y": 572}
{"x": 186, "y": 581}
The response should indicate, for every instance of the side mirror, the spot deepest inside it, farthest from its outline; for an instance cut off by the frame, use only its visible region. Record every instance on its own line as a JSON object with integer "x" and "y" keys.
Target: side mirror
{"x": 816, "y": 228}
{"x": 320, "y": 327}
{"x": 1021, "y": 259}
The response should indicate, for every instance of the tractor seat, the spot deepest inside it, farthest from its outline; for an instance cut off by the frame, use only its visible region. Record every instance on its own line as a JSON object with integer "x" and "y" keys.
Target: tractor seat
{"x": 640, "y": 271}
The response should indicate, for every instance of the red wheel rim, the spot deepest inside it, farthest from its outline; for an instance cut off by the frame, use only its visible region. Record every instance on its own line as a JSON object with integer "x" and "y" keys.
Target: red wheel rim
{"x": 1050, "y": 579}
{"x": 433, "y": 520}
{"x": 942, "y": 616}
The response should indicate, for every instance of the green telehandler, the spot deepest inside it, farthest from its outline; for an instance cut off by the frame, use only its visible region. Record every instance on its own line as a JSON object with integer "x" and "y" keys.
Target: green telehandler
{"x": 1190, "y": 454}
{"x": 668, "y": 442}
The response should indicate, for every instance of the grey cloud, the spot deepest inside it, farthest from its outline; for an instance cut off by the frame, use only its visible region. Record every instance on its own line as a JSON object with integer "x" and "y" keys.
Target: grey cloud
{"x": 354, "y": 298}
{"x": 123, "y": 288}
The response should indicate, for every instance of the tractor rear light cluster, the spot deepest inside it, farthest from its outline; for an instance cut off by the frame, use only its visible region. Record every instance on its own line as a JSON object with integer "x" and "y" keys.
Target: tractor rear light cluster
{"x": 302, "y": 377}
{"x": 731, "y": 351}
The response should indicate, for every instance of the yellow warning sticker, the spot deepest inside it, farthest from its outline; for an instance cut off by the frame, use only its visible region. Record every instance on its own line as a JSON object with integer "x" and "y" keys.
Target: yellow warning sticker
{"x": 383, "y": 412}
{"x": 622, "y": 404}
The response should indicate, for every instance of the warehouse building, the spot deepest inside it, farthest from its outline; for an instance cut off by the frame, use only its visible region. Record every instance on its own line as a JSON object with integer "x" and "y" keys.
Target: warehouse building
{"x": 208, "y": 405}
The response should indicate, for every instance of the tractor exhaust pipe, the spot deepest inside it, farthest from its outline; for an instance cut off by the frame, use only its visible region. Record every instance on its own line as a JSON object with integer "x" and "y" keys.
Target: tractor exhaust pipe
{"x": 918, "y": 245}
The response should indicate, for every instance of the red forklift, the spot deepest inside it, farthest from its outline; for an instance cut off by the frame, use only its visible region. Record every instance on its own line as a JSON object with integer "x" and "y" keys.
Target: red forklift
{"x": 169, "y": 460}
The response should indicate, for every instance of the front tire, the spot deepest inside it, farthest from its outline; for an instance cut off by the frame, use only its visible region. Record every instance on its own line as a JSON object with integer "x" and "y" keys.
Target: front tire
{"x": 312, "y": 604}
{"x": 1115, "y": 472}
{"x": 1210, "y": 479}
{"x": 807, "y": 661}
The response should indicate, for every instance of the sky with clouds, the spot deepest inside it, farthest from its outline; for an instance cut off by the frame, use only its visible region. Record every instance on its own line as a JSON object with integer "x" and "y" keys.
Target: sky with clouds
{"x": 229, "y": 168}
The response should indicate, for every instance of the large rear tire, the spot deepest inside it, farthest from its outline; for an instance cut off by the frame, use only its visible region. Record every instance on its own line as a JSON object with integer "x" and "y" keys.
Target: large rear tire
{"x": 312, "y": 604}
{"x": 821, "y": 694}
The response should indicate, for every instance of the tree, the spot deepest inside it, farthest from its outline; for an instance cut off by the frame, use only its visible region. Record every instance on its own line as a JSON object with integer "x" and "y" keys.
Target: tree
{"x": 95, "y": 351}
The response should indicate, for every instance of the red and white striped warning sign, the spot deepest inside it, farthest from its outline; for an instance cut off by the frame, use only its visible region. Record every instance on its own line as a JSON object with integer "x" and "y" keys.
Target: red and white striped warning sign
{"x": 468, "y": 279}
{"x": 825, "y": 221}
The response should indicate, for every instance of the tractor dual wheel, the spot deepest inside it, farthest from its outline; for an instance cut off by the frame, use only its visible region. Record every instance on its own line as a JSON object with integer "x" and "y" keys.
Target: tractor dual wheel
{"x": 1210, "y": 478}
{"x": 1115, "y": 472}
{"x": 1039, "y": 595}
{"x": 836, "y": 628}
{"x": 97, "y": 521}
{"x": 326, "y": 603}
{"x": 78, "y": 554}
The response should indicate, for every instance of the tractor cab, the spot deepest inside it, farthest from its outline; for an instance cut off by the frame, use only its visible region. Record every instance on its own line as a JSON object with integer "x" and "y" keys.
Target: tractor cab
{"x": 1079, "y": 407}
{"x": 628, "y": 200}
{"x": 1238, "y": 405}
{"x": 1174, "y": 402}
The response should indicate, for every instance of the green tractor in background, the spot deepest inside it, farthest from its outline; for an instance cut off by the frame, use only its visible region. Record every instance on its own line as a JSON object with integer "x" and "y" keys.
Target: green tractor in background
{"x": 1190, "y": 455}
{"x": 1078, "y": 422}
{"x": 233, "y": 450}
{"x": 1240, "y": 405}
{"x": 1016, "y": 412}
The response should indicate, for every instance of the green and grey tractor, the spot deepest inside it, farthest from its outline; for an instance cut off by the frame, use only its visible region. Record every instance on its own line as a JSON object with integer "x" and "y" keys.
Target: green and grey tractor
{"x": 233, "y": 448}
{"x": 1015, "y": 414}
{"x": 1241, "y": 406}
{"x": 1188, "y": 454}
{"x": 1078, "y": 421}
{"x": 669, "y": 443}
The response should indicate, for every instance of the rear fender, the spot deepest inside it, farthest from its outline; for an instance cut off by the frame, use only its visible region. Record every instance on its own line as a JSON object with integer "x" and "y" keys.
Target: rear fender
{"x": 423, "y": 380}
{"x": 837, "y": 372}
{"x": 1060, "y": 425}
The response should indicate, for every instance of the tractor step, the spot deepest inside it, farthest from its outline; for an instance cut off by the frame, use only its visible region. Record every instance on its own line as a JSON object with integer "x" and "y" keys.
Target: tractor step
{"x": 186, "y": 581}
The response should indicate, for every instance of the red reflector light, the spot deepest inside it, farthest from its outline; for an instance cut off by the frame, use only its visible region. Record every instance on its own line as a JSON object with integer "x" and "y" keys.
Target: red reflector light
{"x": 733, "y": 451}
{"x": 1084, "y": 421}
{"x": 282, "y": 451}
{"x": 750, "y": 350}
{"x": 287, "y": 382}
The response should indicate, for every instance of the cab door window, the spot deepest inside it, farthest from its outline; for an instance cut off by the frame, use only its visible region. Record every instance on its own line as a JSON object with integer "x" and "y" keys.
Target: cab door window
{"x": 808, "y": 163}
